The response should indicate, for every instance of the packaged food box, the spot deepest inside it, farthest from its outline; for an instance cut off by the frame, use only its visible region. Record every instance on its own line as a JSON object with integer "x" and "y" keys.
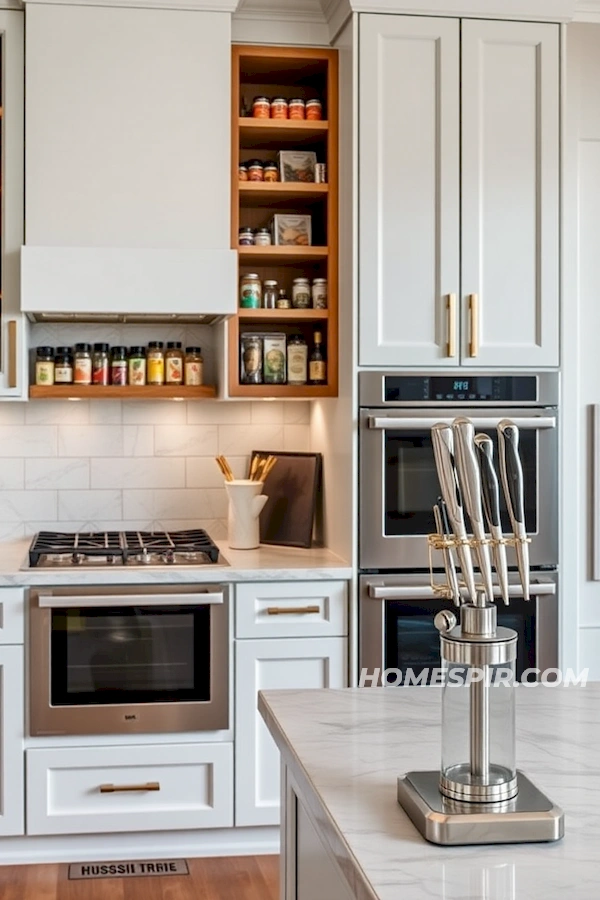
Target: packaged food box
{"x": 291, "y": 231}
{"x": 274, "y": 351}
{"x": 297, "y": 165}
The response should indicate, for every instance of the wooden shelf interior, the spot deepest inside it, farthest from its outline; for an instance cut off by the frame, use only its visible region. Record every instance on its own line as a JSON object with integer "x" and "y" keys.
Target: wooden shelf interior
{"x": 121, "y": 392}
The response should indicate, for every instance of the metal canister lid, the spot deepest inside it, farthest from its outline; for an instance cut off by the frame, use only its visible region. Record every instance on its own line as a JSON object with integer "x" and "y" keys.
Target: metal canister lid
{"x": 252, "y": 276}
{"x": 260, "y": 100}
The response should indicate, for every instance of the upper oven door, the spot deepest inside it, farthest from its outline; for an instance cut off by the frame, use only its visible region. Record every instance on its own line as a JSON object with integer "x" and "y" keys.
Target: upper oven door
{"x": 399, "y": 483}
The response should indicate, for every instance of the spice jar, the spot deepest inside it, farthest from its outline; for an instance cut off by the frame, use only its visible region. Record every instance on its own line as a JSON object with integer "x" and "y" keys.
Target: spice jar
{"x": 270, "y": 295}
{"x": 242, "y": 172}
{"x": 118, "y": 366}
{"x": 301, "y": 293}
{"x": 137, "y": 366}
{"x": 100, "y": 364}
{"x": 262, "y": 238}
{"x": 297, "y": 360}
{"x": 256, "y": 171}
{"x": 270, "y": 172}
{"x": 314, "y": 110}
{"x": 279, "y": 108}
{"x": 44, "y": 365}
{"x": 283, "y": 301}
{"x": 174, "y": 363}
{"x": 261, "y": 108}
{"x": 251, "y": 358}
{"x": 155, "y": 358}
{"x": 194, "y": 366}
{"x": 319, "y": 293}
{"x": 63, "y": 366}
{"x": 246, "y": 238}
{"x": 82, "y": 364}
{"x": 250, "y": 291}
{"x": 296, "y": 109}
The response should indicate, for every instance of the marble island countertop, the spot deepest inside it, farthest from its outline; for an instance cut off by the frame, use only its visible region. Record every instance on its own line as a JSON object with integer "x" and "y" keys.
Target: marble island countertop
{"x": 267, "y": 563}
{"x": 345, "y": 750}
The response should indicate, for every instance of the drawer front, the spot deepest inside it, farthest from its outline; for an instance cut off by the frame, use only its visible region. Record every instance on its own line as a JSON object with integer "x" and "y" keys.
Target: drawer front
{"x": 64, "y": 795}
{"x": 292, "y": 609}
{"x": 12, "y": 611}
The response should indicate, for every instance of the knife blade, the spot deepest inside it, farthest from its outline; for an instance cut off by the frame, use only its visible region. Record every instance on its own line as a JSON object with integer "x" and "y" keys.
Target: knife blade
{"x": 512, "y": 483}
{"x": 484, "y": 447}
{"x": 469, "y": 478}
{"x": 443, "y": 529}
{"x": 443, "y": 451}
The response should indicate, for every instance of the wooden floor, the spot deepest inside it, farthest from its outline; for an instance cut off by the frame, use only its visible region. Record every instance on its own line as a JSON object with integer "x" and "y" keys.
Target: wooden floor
{"x": 231, "y": 878}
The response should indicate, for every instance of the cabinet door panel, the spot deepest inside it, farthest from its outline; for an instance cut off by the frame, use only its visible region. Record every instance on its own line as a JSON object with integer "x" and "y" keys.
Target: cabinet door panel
{"x": 408, "y": 189}
{"x": 510, "y": 185}
{"x": 12, "y": 778}
{"x": 266, "y": 665}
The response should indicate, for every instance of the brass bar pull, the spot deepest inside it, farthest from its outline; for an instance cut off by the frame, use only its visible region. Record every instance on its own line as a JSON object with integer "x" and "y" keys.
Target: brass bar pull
{"x": 114, "y": 788}
{"x": 474, "y": 338}
{"x": 12, "y": 354}
{"x": 291, "y": 610}
{"x": 451, "y": 309}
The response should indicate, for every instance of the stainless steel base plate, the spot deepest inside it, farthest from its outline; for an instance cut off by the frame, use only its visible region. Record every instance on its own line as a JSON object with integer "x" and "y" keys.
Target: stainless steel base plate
{"x": 528, "y": 817}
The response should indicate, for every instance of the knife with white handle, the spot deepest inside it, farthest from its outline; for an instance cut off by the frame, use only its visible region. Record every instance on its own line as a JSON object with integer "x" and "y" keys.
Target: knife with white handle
{"x": 443, "y": 451}
{"x": 512, "y": 482}
{"x": 484, "y": 447}
{"x": 470, "y": 482}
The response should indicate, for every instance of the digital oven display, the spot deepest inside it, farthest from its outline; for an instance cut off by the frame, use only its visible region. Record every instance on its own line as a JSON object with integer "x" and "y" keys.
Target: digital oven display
{"x": 410, "y": 388}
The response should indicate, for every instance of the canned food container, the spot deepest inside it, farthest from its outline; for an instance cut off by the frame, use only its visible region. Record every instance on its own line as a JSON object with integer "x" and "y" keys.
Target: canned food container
{"x": 314, "y": 109}
{"x": 279, "y": 108}
{"x": 256, "y": 171}
{"x": 250, "y": 291}
{"x": 271, "y": 172}
{"x": 320, "y": 173}
{"x": 246, "y": 238}
{"x": 261, "y": 108}
{"x": 319, "y": 293}
{"x": 296, "y": 109}
{"x": 274, "y": 351}
{"x": 251, "y": 358}
{"x": 262, "y": 238}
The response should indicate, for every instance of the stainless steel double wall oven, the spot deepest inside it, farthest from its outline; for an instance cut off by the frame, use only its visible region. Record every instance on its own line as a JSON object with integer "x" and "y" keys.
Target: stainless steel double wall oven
{"x": 399, "y": 485}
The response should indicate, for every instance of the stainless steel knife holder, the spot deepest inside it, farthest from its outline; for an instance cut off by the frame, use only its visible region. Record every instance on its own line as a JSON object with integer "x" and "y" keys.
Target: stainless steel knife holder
{"x": 449, "y": 543}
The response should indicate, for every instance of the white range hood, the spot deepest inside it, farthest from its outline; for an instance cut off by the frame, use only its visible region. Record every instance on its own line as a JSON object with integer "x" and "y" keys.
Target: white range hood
{"x": 100, "y": 284}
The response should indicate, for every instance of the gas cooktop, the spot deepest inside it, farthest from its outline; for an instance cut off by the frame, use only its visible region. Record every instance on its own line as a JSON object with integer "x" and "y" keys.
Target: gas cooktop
{"x": 59, "y": 549}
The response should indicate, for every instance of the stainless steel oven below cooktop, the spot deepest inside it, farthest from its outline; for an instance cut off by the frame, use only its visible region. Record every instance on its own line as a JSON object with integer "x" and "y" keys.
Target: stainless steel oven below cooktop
{"x": 100, "y": 549}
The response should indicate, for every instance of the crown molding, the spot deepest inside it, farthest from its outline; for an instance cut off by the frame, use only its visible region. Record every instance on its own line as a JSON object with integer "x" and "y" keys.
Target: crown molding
{"x": 224, "y": 6}
{"x": 336, "y": 13}
{"x": 587, "y": 11}
{"x": 538, "y": 10}
{"x": 281, "y": 10}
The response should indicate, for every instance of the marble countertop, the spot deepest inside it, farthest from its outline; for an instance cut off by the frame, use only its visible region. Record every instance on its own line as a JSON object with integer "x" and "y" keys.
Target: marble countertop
{"x": 267, "y": 563}
{"x": 346, "y": 749}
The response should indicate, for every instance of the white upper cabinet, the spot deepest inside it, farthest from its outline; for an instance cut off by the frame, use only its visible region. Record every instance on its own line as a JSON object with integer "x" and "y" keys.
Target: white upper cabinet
{"x": 510, "y": 193}
{"x": 458, "y": 192}
{"x": 408, "y": 190}
{"x": 128, "y": 127}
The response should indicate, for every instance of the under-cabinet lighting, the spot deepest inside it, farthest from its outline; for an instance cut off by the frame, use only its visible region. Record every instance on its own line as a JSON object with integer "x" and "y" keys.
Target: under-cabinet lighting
{"x": 74, "y": 399}
{"x": 177, "y": 399}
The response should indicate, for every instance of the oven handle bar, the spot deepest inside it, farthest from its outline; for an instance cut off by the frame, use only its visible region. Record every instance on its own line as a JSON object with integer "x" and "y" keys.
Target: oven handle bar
{"x": 426, "y": 592}
{"x": 50, "y": 601}
{"x": 384, "y": 423}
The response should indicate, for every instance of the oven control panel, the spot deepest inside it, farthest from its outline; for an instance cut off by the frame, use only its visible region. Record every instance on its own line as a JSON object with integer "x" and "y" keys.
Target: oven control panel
{"x": 452, "y": 389}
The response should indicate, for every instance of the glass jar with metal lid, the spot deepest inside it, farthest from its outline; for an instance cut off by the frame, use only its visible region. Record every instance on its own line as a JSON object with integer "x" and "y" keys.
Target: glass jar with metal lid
{"x": 194, "y": 366}
{"x": 262, "y": 237}
{"x": 63, "y": 366}
{"x": 174, "y": 363}
{"x": 155, "y": 363}
{"x": 246, "y": 237}
{"x": 82, "y": 364}
{"x": 261, "y": 108}
{"x": 319, "y": 293}
{"x": 270, "y": 172}
{"x": 301, "y": 293}
{"x": 270, "y": 295}
{"x": 44, "y": 365}
{"x": 250, "y": 291}
{"x": 100, "y": 365}
{"x": 118, "y": 366}
{"x": 137, "y": 366}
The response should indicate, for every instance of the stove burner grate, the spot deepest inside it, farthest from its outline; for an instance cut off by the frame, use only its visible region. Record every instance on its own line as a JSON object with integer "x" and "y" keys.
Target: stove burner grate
{"x": 119, "y": 546}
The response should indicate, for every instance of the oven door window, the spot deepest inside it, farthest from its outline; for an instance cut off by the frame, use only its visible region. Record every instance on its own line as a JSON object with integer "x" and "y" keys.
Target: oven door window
{"x": 130, "y": 655}
{"x": 411, "y": 485}
{"x": 413, "y": 642}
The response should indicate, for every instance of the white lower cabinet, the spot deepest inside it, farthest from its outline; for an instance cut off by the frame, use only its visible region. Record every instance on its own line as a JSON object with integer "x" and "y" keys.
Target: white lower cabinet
{"x": 77, "y": 790}
{"x": 268, "y": 665}
{"x": 12, "y": 792}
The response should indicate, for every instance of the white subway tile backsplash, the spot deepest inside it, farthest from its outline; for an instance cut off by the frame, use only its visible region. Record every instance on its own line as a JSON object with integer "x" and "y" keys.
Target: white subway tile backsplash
{"x": 138, "y": 473}
{"x": 12, "y": 474}
{"x": 235, "y": 441}
{"x": 212, "y": 412}
{"x": 138, "y": 440}
{"x": 296, "y": 413}
{"x": 95, "y": 440}
{"x": 202, "y": 471}
{"x": 12, "y": 414}
{"x": 160, "y": 412}
{"x": 185, "y": 440}
{"x": 57, "y": 412}
{"x": 296, "y": 438}
{"x": 33, "y": 506}
{"x": 27, "y": 440}
{"x": 53, "y": 474}
{"x": 89, "y": 505}
{"x": 267, "y": 412}
{"x": 105, "y": 412}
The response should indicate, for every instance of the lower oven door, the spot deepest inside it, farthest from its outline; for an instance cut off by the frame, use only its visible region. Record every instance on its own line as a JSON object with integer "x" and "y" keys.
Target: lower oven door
{"x": 396, "y": 630}
{"x": 128, "y": 660}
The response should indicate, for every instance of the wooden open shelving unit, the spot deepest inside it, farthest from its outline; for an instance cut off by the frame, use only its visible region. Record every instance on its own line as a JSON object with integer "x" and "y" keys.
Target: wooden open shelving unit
{"x": 121, "y": 392}
{"x": 286, "y": 72}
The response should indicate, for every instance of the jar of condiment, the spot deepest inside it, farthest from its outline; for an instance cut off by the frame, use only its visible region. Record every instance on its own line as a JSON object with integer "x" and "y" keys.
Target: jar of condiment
{"x": 314, "y": 110}
{"x": 279, "y": 108}
{"x": 262, "y": 238}
{"x": 251, "y": 358}
{"x": 274, "y": 352}
{"x": 256, "y": 170}
{"x": 250, "y": 291}
{"x": 100, "y": 364}
{"x": 270, "y": 295}
{"x": 319, "y": 293}
{"x": 296, "y": 109}
{"x": 118, "y": 366}
{"x": 261, "y": 108}
{"x": 194, "y": 366}
{"x": 297, "y": 360}
{"x": 174, "y": 363}
{"x": 283, "y": 301}
{"x": 136, "y": 370}
{"x": 63, "y": 366}
{"x": 270, "y": 172}
{"x": 301, "y": 293}
{"x": 82, "y": 364}
{"x": 155, "y": 358}
{"x": 242, "y": 172}
{"x": 44, "y": 365}
{"x": 246, "y": 238}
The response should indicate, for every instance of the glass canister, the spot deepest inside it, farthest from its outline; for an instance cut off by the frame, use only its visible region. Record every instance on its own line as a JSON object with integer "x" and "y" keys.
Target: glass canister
{"x": 44, "y": 365}
{"x": 118, "y": 366}
{"x": 174, "y": 363}
{"x": 63, "y": 366}
{"x": 155, "y": 368}
{"x": 478, "y": 706}
{"x": 83, "y": 364}
{"x": 100, "y": 364}
{"x": 194, "y": 366}
{"x": 137, "y": 366}
{"x": 301, "y": 293}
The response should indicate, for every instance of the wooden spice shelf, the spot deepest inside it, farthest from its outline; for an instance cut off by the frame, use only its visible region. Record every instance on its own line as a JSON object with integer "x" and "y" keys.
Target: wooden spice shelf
{"x": 124, "y": 392}
{"x": 263, "y": 193}
{"x": 303, "y": 391}
{"x": 248, "y": 316}
{"x": 262, "y": 132}
{"x": 276, "y": 255}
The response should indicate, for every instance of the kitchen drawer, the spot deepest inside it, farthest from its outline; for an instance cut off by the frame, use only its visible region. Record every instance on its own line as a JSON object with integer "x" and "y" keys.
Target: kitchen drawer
{"x": 12, "y": 608}
{"x": 64, "y": 796}
{"x": 292, "y": 609}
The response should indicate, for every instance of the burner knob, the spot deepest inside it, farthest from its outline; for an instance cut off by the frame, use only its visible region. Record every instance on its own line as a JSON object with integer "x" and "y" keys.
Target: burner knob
{"x": 145, "y": 556}
{"x": 111, "y": 560}
{"x": 77, "y": 559}
{"x": 169, "y": 557}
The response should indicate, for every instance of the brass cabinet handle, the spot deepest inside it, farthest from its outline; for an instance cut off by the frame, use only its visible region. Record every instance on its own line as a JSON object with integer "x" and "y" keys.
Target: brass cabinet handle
{"x": 451, "y": 309}
{"x": 113, "y": 788}
{"x": 474, "y": 338}
{"x": 291, "y": 610}
{"x": 12, "y": 354}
